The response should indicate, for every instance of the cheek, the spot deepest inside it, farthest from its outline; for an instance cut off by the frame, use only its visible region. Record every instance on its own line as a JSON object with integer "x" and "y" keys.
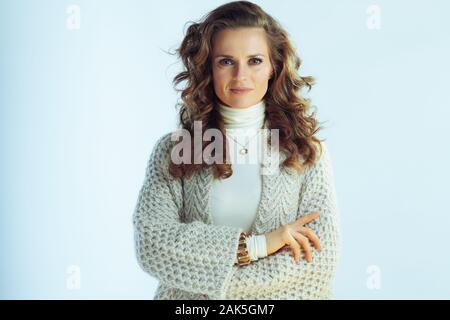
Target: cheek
{"x": 262, "y": 77}
{"x": 264, "y": 73}
{"x": 220, "y": 78}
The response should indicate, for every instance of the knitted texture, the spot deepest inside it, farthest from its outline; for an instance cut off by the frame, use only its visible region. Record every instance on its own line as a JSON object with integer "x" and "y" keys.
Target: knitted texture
{"x": 177, "y": 243}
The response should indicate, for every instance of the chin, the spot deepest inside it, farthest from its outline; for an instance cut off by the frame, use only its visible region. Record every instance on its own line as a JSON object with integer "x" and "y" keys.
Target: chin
{"x": 240, "y": 103}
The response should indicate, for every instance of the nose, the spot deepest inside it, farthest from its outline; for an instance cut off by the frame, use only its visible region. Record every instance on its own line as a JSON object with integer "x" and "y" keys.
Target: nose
{"x": 240, "y": 71}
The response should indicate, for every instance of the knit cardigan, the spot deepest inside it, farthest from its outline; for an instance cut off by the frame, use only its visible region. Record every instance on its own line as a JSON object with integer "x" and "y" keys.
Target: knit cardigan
{"x": 177, "y": 243}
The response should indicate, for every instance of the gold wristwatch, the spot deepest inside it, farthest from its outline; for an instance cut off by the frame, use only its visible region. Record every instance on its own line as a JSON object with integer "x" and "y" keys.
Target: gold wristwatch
{"x": 242, "y": 254}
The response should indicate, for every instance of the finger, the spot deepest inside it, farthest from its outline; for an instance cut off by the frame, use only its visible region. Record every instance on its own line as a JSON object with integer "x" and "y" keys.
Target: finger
{"x": 312, "y": 236}
{"x": 295, "y": 246}
{"x": 309, "y": 217}
{"x": 305, "y": 245}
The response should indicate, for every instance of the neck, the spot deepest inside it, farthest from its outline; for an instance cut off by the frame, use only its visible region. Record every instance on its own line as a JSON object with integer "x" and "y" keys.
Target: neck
{"x": 250, "y": 117}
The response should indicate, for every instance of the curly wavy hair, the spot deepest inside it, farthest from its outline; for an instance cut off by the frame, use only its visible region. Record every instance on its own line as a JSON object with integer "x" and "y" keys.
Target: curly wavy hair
{"x": 286, "y": 109}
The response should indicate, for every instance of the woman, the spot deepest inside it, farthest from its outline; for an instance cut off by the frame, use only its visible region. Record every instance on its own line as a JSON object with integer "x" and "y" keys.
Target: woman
{"x": 225, "y": 230}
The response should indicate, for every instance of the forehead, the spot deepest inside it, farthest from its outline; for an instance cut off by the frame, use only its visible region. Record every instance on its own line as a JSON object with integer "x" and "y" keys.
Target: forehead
{"x": 240, "y": 40}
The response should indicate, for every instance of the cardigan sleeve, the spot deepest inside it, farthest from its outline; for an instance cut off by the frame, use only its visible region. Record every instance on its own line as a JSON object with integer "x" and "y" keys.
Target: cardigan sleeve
{"x": 279, "y": 273}
{"x": 195, "y": 257}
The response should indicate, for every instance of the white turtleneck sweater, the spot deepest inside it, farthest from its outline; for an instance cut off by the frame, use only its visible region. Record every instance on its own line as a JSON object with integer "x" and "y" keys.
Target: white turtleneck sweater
{"x": 235, "y": 200}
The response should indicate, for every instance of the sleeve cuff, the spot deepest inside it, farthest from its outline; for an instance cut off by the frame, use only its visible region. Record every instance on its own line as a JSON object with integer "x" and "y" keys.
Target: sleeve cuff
{"x": 257, "y": 246}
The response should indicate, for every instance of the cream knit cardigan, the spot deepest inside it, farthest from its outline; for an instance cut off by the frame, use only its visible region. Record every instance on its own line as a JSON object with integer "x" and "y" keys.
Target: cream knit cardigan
{"x": 177, "y": 243}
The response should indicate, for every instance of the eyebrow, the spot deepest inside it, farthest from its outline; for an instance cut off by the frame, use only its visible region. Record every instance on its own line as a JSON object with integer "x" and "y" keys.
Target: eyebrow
{"x": 228, "y": 56}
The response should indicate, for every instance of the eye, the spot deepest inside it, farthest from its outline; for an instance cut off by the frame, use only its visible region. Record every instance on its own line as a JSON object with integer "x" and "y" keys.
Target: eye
{"x": 220, "y": 62}
{"x": 256, "y": 60}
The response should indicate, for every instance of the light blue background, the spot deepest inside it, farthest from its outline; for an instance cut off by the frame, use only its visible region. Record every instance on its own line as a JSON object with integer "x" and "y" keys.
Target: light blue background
{"x": 81, "y": 110}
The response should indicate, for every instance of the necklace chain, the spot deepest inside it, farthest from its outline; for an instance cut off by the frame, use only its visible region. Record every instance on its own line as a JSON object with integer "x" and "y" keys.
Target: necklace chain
{"x": 244, "y": 149}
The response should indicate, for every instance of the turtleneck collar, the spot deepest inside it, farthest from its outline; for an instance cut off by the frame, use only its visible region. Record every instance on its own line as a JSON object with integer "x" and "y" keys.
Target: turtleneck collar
{"x": 250, "y": 117}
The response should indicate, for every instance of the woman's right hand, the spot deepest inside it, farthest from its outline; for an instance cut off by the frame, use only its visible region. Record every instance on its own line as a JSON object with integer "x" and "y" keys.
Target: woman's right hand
{"x": 295, "y": 235}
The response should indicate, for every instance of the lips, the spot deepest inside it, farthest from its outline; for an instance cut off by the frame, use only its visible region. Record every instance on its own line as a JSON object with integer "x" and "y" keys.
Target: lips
{"x": 241, "y": 89}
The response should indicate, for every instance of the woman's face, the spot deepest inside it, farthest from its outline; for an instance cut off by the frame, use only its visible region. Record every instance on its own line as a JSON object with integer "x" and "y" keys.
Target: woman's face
{"x": 240, "y": 58}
